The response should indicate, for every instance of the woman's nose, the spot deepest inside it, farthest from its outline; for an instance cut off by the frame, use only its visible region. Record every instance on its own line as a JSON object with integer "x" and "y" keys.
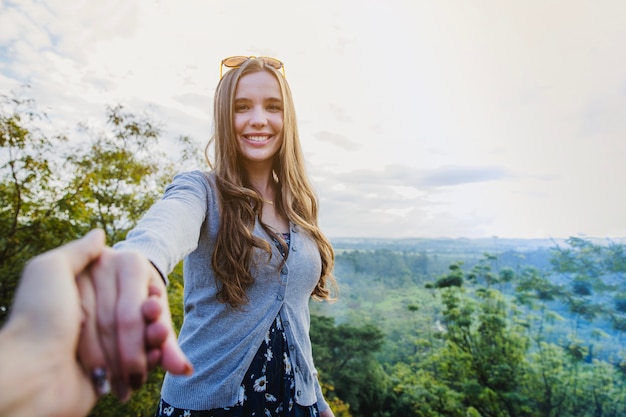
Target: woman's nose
{"x": 258, "y": 117}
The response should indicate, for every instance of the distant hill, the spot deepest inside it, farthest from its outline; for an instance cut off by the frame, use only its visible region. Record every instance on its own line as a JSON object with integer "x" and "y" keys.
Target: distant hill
{"x": 492, "y": 245}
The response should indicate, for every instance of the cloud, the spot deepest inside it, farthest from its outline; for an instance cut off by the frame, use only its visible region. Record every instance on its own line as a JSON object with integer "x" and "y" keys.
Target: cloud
{"x": 499, "y": 120}
{"x": 403, "y": 201}
{"x": 403, "y": 175}
{"x": 341, "y": 114}
{"x": 458, "y": 175}
{"x": 337, "y": 140}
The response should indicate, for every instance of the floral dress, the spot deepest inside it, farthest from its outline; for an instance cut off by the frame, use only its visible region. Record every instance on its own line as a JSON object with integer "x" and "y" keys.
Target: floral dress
{"x": 268, "y": 388}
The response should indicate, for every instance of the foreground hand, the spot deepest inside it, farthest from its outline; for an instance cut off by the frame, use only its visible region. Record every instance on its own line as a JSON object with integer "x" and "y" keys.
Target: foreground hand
{"x": 40, "y": 372}
{"x": 133, "y": 321}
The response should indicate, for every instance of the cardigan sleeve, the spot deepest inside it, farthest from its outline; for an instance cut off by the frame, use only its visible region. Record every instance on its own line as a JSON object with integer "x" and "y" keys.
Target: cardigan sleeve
{"x": 322, "y": 405}
{"x": 171, "y": 227}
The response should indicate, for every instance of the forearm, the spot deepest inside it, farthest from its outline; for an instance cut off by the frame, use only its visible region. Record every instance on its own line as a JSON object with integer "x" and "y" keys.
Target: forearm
{"x": 23, "y": 378}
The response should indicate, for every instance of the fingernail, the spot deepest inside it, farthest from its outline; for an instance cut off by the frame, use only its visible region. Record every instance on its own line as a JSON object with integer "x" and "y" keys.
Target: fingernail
{"x": 136, "y": 381}
{"x": 188, "y": 369}
{"x": 121, "y": 392}
{"x": 100, "y": 381}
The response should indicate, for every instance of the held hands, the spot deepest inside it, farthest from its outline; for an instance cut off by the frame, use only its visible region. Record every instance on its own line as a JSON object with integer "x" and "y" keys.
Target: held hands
{"x": 82, "y": 308}
{"x": 133, "y": 322}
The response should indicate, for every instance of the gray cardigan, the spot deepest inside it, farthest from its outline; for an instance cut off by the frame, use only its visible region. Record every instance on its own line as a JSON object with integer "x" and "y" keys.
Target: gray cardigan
{"x": 219, "y": 341}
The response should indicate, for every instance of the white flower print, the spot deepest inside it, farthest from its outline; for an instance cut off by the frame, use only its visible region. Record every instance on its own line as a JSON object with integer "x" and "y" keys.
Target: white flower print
{"x": 269, "y": 354}
{"x": 242, "y": 395}
{"x": 287, "y": 363}
{"x": 260, "y": 384}
{"x": 279, "y": 323}
{"x": 168, "y": 410}
{"x": 267, "y": 337}
{"x": 268, "y": 413}
{"x": 269, "y": 397}
{"x": 187, "y": 413}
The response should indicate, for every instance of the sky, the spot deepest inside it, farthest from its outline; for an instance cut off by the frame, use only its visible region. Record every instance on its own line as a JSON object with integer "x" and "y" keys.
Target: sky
{"x": 418, "y": 118}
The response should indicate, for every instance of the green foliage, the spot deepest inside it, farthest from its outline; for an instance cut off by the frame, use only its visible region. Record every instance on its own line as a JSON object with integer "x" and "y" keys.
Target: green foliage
{"x": 344, "y": 355}
{"x": 340, "y": 408}
{"x": 117, "y": 176}
{"x": 488, "y": 341}
{"x": 27, "y": 192}
{"x": 54, "y": 189}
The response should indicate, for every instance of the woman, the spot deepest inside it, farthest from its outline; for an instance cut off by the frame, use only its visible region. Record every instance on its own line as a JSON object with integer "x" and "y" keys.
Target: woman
{"x": 253, "y": 256}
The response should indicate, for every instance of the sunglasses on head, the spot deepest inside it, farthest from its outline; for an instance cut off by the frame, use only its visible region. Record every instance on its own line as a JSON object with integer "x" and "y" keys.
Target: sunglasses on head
{"x": 237, "y": 61}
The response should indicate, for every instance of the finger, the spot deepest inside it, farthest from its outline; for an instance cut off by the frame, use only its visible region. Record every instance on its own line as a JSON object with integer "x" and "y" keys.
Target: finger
{"x": 37, "y": 292}
{"x": 81, "y": 252}
{"x": 104, "y": 277}
{"x": 154, "y": 358}
{"x": 90, "y": 353}
{"x": 156, "y": 335}
{"x": 134, "y": 276}
{"x": 173, "y": 359}
{"x": 156, "y": 332}
{"x": 151, "y": 309}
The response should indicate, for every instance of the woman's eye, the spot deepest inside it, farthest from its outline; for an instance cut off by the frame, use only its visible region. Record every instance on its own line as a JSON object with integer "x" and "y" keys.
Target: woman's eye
{"x": 274, "y": 107}
{"x": 241, "y": 107}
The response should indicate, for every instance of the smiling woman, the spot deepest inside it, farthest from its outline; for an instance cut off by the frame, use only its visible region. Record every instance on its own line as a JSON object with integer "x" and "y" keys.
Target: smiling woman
{"x": 254, "y": 256}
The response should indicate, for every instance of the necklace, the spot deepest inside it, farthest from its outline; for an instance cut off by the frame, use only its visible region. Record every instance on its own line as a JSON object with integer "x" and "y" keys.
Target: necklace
{"x": 268, "y": 202}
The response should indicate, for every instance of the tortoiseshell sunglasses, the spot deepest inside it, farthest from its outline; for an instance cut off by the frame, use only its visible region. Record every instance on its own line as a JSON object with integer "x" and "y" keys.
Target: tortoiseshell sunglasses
{"x": 237, "y": 61}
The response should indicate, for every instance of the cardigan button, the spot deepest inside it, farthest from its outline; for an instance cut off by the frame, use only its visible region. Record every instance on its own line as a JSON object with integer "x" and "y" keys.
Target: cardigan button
{"x": 280, "y": 297}
{"x": 284, "y": 270}
{"x": 299, "y": 393}
{"x": 294, "y": 249}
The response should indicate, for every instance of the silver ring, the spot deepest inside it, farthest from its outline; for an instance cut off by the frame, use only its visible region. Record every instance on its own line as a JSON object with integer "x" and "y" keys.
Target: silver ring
{"x": 100, "y": 381}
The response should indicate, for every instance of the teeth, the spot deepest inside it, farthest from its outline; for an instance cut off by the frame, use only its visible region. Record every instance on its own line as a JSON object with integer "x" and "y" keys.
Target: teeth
{"x": 257, "y": 138}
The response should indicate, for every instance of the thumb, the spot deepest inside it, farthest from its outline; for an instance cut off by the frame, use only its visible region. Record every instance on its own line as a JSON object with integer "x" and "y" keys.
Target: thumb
{"x": 81, "y": 252}
{"x": 37, "y": 292}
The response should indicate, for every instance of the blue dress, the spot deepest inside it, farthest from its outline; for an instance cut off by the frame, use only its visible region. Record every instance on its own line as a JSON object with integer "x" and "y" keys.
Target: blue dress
{"x": 268, "y": 386}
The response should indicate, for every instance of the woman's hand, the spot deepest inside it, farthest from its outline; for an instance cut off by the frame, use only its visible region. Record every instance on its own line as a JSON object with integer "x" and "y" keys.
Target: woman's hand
{"x": 327, "y": 413}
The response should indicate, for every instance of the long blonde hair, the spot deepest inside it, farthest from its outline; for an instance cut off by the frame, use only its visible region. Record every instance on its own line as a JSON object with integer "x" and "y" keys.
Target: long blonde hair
{"x": 241, "y": 205}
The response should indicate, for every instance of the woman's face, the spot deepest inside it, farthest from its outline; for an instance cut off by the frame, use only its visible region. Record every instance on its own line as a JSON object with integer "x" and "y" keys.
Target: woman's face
{"x": 258, "y": 117}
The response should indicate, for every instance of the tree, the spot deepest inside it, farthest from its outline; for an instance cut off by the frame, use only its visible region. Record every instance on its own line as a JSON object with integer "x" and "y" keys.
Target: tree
{"x": 484, "y": 355}
{"x": 28, "y": 191}
{"x": 118, "y": 175}
{"x": 344, "y": 355}
{"x": 49, "y": 198}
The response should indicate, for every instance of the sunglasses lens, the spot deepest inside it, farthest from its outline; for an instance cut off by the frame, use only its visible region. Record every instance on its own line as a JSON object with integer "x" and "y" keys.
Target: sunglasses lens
{"x": 274, "y": 63}
{"x": 234, "y": 61}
